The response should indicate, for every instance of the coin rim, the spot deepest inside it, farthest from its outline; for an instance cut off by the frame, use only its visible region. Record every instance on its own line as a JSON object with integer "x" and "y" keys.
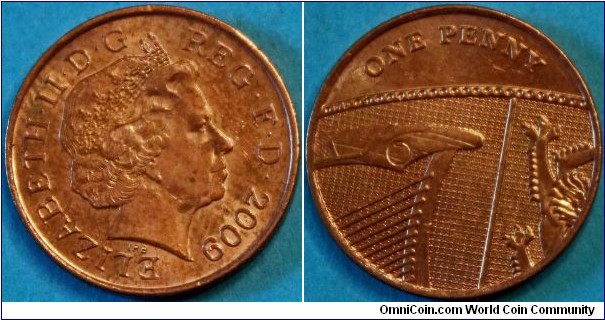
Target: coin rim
{"x": 337, "y": 71}
{"x": 287, "y": 105}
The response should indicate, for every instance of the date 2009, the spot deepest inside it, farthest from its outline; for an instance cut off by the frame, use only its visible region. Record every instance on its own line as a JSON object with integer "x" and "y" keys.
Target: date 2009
{"x": 229, "y": 235}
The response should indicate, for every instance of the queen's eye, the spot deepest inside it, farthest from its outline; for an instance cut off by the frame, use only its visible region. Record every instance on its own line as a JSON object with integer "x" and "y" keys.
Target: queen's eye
{"x": 199, "y": 124}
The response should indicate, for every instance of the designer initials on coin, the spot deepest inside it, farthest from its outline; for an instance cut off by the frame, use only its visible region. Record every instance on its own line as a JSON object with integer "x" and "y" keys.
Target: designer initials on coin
{"x": 152, "y": 150}
{"x": 454, "y": 151}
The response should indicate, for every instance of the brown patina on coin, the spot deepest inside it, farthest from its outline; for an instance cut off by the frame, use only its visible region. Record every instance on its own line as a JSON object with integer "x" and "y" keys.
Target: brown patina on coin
{"x": 454, "y": 151}
{"x": 152, "y": 150}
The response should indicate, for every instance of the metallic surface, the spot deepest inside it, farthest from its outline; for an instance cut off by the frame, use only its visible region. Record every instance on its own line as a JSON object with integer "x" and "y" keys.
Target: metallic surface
{"x": 152, "y": 150}
{"x": 454, "y": 151}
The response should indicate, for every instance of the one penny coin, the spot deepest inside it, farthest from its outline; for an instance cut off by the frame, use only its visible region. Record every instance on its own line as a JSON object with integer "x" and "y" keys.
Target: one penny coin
{"x": 454, "y": 151}
{"x": 152, "y": 150}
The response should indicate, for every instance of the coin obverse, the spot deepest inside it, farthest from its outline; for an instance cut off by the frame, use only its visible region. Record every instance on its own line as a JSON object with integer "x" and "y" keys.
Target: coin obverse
{"x": 454, "y": 151}
{"x": 152, "y": 150}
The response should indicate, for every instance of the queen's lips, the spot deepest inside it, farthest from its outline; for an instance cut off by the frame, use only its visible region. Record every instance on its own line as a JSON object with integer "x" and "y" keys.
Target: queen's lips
{"x": 218, "y": 165}
{"x": 222, "y": 175}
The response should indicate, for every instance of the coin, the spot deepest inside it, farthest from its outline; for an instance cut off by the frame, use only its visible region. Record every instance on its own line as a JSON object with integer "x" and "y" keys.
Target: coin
{"x": 152, "y": 150}
{"x": 454, "y": 151}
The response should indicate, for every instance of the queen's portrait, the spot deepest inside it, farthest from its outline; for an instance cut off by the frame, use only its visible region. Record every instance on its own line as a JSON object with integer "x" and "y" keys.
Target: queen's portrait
{"x": 142, "y": 139}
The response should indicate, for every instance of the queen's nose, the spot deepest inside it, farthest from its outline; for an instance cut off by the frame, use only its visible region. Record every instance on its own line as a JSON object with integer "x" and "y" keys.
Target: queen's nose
{"x": 221, "y": 143}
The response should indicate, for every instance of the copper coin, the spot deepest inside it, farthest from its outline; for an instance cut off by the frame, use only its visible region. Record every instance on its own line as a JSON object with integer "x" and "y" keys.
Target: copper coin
{"x": 152, "y": 150}
{"x": 454, "y": 151}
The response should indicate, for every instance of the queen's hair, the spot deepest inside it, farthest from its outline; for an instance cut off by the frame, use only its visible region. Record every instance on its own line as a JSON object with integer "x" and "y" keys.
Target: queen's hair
{"x": 106, "y": 129}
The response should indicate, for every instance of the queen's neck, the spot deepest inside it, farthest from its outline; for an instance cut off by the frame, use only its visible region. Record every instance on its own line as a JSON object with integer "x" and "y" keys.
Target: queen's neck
{"x": 157, "y": 218}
